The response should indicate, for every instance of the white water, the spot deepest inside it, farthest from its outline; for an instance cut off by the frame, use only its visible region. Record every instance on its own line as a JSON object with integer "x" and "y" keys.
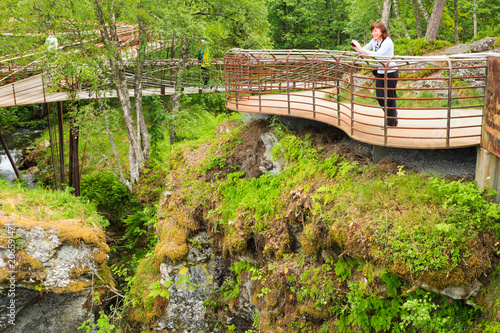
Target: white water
{"x": 15, "y": 142}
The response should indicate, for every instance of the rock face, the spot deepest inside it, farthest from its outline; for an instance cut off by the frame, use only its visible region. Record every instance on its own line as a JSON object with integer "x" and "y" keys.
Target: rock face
{"x": 483, "y": 45}
{"x": 269, "y": 140}
{"x": 47, "y": 268}
{"x": 190, "y": 282}
{"x": 47, "y": 312}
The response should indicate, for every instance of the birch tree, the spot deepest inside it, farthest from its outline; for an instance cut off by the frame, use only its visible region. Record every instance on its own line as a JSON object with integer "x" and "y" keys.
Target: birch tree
{"x": 386, "y": 12}
{"x": 474, "y": 17}
{"x": 400, "y": 20}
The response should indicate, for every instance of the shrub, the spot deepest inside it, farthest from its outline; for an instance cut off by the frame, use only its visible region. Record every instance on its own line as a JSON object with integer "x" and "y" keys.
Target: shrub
{"x": 113, "y": 199}
{"x": 417, "y": 47}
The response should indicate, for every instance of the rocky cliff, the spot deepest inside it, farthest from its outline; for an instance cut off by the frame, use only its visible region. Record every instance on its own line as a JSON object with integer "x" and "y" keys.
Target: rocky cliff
{"x": 48, "y": 273}
{"x": 326, "y": 244}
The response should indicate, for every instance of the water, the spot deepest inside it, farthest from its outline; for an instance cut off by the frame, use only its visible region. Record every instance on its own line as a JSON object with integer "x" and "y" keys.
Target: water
{"x": 17, "y": 141}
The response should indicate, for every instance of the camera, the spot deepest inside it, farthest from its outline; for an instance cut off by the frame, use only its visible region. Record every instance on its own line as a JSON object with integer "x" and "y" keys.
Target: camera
{"x": 352, "y": 44}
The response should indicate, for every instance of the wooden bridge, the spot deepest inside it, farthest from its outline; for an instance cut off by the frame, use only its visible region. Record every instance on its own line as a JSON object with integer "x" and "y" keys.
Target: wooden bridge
{"x": 440, "y": 99}
{"x": 30, "y": 84}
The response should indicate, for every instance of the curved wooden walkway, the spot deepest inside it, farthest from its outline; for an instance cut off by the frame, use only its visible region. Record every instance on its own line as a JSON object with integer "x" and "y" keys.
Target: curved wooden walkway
{"x": 423, "y": 129}
{"x": 440, "y": 99}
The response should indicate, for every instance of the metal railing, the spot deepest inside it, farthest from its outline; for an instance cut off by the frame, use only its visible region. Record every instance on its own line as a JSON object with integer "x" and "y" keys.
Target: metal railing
{"x": 439, "y": 99}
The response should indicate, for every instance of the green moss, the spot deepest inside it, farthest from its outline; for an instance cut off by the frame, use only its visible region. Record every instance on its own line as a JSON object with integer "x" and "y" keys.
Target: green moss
{"x": 309, "y": 240}
{"x": 143, "y": 309}
{"x": 234, "y": 244}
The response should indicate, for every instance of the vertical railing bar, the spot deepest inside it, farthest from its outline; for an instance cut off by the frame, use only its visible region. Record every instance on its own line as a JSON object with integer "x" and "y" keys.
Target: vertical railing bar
{"x": 448, "y": 116}
{"x": 337, "y": 65}
{"x": 258, "y": 82}
{"x": 288, "y": 80}
{"x": 385, "y": 98}
{"x": 486, "y": 73}
{"x": 12, "y": 81}
{"x": 313, "y": 85}
{"x": 352, "y": 94}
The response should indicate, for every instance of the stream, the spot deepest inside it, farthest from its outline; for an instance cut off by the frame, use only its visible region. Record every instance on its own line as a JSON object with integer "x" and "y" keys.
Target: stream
{"x": 16, "y": 142}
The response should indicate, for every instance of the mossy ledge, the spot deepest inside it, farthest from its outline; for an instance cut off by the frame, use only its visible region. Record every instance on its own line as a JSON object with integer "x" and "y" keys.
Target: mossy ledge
{"x": 58, "y": 256}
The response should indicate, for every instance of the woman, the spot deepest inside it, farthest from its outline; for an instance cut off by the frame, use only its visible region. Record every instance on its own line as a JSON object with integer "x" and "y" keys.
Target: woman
{"x": 382, "y": 45}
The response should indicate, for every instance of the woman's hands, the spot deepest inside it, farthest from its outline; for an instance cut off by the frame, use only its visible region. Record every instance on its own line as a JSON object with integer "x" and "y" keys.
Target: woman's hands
{"x": 355, "y": 45}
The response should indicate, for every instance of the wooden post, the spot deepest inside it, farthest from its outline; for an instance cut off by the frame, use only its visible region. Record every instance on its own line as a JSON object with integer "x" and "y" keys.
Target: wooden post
{"x": 51, "y": 131}
{"x": 488, "y": 155}
{"x": 74, "y": 178}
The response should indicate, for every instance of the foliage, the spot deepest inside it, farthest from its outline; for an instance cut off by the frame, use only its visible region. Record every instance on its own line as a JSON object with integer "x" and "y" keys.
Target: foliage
{"x": 310, "y": 24}
{"x": 421, "y": 311}
{"x": 102, "y": 325}
{"x": 418, "y": 47}
{"x": 140, "y": 231}
{"x": 151, "y": 184}
{"x": 19, "y": 116}
{"x": 111, "y": 197}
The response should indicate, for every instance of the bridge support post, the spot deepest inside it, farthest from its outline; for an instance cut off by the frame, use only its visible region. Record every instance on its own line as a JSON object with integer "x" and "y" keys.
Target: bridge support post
{"x": 379, "y": 153}
{"x": 488, "y": 171}
{"x": 488, "y": 155}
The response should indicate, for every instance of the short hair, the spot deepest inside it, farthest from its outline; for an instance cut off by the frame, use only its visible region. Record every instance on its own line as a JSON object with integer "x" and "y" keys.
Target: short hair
{"x": 381, "y": 26}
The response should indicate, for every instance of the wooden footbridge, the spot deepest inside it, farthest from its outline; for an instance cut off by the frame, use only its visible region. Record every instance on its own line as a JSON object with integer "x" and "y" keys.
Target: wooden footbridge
{"x": 442, "y": 101}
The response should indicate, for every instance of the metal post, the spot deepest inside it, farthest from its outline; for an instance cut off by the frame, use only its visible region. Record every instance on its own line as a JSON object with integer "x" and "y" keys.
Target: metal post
{"x": 12, "y": 81}
{"x": 448, "y": 116}
{"x": 288, "y": 80}
{"x": 258, "y": 82}
{"x": 61, "y": 140}
{"x": 313, "y": 85}
{"x": 45, "y": 105}
{"x": 352, "y": 96}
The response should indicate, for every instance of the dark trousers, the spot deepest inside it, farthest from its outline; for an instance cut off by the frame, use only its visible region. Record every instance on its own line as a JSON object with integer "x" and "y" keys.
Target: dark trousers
{"x": 204, "y": 75}
{"x": 392, "y": 113}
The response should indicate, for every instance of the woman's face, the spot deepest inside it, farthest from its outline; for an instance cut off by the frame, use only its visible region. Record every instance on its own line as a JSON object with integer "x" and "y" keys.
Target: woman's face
{"x": 376, "y": 33}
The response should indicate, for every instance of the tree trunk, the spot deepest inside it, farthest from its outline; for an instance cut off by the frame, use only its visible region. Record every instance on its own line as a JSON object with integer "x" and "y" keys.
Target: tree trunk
{"x": 435, "y": 20}
{"x": 416, "y": 12}
{"x": 141, "y": 124}
{"x": 474, "y": 17}
{"x": 176, "y": 97}
{"x": 386, "y": 12}
{"x": 456, "y": 21}
{"x": 423, "y": 10}
{"x": 398, "y": 16}
{"x": 111, "y": 43}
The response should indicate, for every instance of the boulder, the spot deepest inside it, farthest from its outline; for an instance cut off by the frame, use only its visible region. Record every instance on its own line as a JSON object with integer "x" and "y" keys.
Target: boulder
{"x": 44, "y": 145}
{"x": 483, "y": 45}
{"x": 47, "y": 271}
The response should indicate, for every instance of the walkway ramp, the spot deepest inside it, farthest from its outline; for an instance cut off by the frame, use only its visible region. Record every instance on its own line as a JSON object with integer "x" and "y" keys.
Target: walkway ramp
{"x": 33, "y": 91}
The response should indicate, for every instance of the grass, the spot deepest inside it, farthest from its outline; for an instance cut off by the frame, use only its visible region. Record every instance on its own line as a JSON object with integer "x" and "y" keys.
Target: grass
{"x": 46, "y": 205}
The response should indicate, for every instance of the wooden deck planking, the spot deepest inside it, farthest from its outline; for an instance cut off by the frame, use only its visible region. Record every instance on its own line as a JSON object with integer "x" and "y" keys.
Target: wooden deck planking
{"x": 417, "y": 129}
{"x": 31, "y": 91}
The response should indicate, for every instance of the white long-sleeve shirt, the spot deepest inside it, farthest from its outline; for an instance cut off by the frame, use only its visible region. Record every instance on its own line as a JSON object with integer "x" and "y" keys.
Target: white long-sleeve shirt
{"x": 384, "y": 48}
